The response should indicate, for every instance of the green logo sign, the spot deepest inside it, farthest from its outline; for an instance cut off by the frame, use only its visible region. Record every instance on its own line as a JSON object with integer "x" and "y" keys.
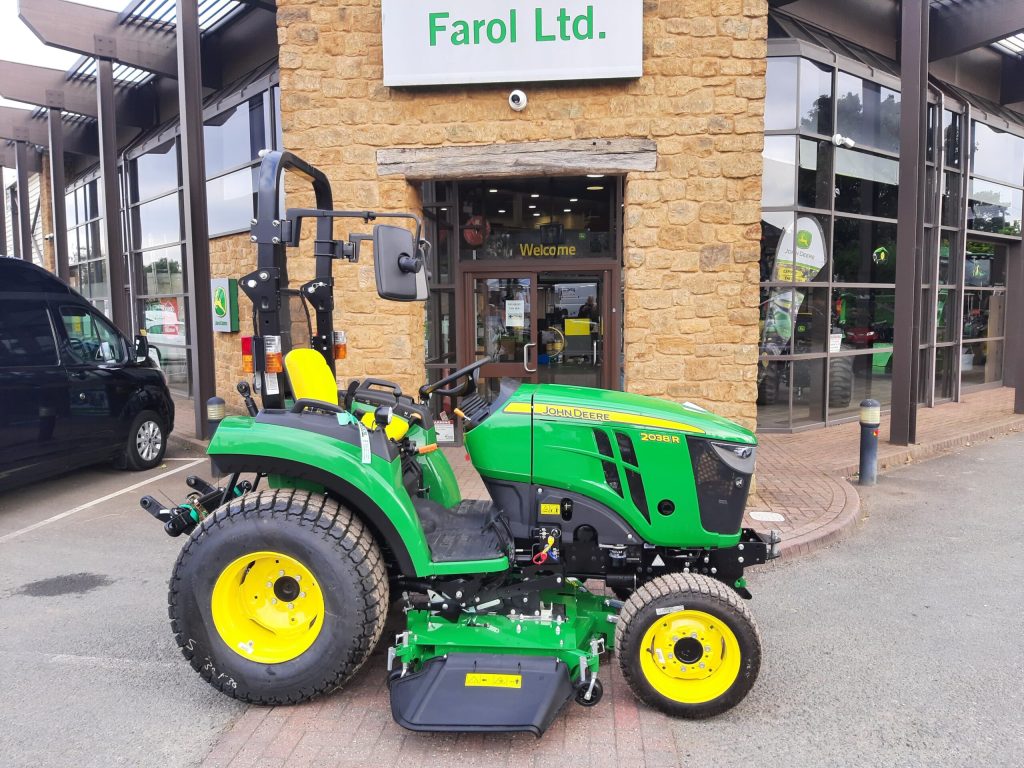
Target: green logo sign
{"x": 880, "y": 255}
{"x": 803, "y": 239}
{"x": 220, "y": 302}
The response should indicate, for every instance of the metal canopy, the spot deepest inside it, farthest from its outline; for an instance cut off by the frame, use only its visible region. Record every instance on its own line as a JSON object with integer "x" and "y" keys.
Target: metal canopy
{"x": 957, "y": 26}
{"x": 19, "y": 125}
{"x": 100, "y": 33}
{"x": 8, "y": 157}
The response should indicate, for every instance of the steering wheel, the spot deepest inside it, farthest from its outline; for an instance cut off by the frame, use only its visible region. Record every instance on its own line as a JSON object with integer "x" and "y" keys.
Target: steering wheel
{"x": 470, "y": 372}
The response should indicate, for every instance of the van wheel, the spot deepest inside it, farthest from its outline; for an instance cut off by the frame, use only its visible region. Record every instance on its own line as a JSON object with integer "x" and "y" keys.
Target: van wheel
{"x": 147, "y": 442}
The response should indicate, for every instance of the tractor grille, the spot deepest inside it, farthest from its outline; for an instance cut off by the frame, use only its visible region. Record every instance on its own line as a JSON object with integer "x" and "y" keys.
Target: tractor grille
{"x": 611, "y": 473}
{"x": 722, "y": 478}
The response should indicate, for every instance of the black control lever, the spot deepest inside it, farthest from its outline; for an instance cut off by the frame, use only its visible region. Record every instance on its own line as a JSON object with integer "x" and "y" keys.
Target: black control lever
{"x": 246, "y": 393}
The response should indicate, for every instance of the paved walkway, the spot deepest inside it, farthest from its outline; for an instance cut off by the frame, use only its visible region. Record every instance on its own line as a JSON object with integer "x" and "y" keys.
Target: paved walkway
{"x": 801, "y": 478}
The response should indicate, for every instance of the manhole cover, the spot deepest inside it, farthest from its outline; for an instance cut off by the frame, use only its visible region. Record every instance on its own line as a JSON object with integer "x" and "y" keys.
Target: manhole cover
{"x": 766, "y": 517}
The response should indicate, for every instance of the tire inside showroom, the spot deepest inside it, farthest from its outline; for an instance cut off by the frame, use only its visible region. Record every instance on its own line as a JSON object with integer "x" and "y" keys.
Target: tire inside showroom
{"x": 278, "y": 597}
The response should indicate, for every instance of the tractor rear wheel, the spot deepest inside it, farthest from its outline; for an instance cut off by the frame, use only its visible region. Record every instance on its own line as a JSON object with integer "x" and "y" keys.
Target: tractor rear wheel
{"x": 279, "y": 596}
{"x": 688, "y": 646}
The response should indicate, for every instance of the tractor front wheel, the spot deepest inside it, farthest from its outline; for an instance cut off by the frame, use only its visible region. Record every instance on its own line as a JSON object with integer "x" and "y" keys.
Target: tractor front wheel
{"x": 279, "y": 596}
{"x": 688, "y": 646}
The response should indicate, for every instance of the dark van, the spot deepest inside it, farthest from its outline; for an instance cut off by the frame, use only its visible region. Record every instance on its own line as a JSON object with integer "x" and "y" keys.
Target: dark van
{"x": 73, "y": 390}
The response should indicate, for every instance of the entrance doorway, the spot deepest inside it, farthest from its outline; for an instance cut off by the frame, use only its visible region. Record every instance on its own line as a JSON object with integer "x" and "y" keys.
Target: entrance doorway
{"x": 550, "y": 326}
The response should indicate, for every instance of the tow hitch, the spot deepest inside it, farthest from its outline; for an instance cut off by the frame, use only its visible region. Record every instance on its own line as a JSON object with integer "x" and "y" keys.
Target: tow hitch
{"x": 186, "y": 516}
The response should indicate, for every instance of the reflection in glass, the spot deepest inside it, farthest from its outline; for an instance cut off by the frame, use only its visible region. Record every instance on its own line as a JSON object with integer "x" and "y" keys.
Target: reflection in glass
{"x": 997, "y": 154}
{"x": 985, "y": 265}
{"x": 868, "y": 113}
{"x": 857, "y": 378}
{"x": 556, "y": 217}
{"x": 780, "y": 94}
{"x": 944, "y": 358}
{"x": 866, "y": 184}
{"x": 814, "y": 180}
{"x": 865, "y": 317}
{"x": 951, "y": 136}
{"x": 863, "y": 251}
{"x": 502, "y": 318}
{"x": 815, "y": 97}
{"x": 994, "y": 208}
{"x": 773, "y": 394}
{"x": 773, "y": 224}
{"x": 981, "y": 363}
{"x": 155, "y": 172}
{"x": 230, "y": 202}
{"x": 162, "y": 271}
{"x": 808, "y": 386}
{"x": 984, "y": 314}
{"x": 234, "y": 137}
{"x": 159, "y": 222}
{"x": 811, "y": 320}
{"x": 951, "y": 199}
{"x": 945, "y": 311}
{"x": 946, "y": 276}
{"x": 778, "y": 184}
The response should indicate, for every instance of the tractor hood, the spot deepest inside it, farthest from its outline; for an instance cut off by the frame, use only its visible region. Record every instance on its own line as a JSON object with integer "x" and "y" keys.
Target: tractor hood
{"x": 605, "y": 406}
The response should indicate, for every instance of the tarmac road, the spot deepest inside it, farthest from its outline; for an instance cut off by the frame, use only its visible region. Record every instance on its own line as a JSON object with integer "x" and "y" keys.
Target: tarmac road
{"x": 896, "y": 647}
{"x": 91, "y": 675}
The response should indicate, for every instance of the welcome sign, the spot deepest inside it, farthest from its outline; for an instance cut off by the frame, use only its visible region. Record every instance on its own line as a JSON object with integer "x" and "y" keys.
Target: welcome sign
{"x": 452, "y": 42}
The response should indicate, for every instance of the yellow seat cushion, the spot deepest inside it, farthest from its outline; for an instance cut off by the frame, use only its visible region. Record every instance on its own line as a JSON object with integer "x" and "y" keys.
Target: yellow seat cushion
{"x": 310, "y": 376}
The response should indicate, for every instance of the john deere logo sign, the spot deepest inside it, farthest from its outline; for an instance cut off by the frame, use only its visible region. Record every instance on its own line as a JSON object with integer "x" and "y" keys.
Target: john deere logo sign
{"x": 803, "y": 239}
{"x": 220, "y": 302}
{"x": 224, "y": 293}
{"x": 434, "y": 42}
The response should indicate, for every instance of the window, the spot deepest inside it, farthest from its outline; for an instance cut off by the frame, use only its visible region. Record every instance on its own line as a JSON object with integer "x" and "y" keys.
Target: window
{"x": 778, "y": 180}
{"x": 868, "y": 113}
{"x": 91, "y": 339}
{"x": 231, "y": 201}
{"x": 86, "y": 256}
{"x": 997, "y": 155}
{"x": 780, "y": 94}
{"x": 994, "y": 208}
{"x": 866, "y": 184}
{"x": 26, "y": 336}
{"x": 815, "y": 98}
{"x": 155, "y": 172}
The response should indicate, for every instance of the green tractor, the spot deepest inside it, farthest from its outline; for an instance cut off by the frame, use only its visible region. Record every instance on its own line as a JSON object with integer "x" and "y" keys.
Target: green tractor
{"x": 282, "y": 588}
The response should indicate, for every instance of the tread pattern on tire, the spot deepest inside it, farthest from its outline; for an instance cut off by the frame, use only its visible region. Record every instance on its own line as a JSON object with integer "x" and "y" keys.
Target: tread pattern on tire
{"x": 665, "y": 586}
{"x": 335, "y": 524}
{"x": 840, "y": 391}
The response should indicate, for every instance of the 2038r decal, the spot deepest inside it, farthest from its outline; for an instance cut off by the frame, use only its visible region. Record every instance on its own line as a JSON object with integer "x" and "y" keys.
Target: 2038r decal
{"x": 650, "y": 437}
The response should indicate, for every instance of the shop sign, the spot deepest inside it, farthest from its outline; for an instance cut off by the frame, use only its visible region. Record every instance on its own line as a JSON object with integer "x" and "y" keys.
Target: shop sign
{"x": 224, "y": 295}
{"x": 440, "y": 42}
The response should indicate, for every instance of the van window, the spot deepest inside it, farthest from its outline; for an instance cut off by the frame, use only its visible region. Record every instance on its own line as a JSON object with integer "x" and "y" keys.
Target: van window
{"x": 91, "y": 338}
{"x": 26, "y": 336}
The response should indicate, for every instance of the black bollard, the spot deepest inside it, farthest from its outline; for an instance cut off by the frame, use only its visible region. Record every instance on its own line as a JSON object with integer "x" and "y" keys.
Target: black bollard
{"x": 215, "y": 413}
{"x": 870, "y": 420}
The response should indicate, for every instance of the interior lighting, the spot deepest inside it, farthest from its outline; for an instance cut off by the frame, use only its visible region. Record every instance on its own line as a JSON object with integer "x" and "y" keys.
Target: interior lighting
{"x": 532, "y": 207}
{"x": 535, "y": 195}
{"x": 595, "y": 175}
{"x": 492, "y": 191}
{"x": 501, "y": 210}
{"x": 574, "y": 199}
{"x": 536, "y": 215}
{"x": 567, "y": 210}
{"x": 594, "y": 189}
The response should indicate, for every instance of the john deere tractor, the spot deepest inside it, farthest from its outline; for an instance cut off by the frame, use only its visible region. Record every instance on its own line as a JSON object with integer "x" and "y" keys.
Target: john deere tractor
{"x": 281, "y": 590}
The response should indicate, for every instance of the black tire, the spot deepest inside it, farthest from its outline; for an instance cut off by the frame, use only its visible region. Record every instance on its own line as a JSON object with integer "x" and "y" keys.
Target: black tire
{"x": 693, "y": 593}
{"x": 768, "y": 386}
{"x": 840, "y": 387}
{"x": 332, "y": 543}
{"x": 146, "y": 443}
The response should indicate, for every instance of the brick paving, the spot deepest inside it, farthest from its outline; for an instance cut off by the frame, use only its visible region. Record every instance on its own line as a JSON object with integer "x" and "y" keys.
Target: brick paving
{"x": 803, "y": 477}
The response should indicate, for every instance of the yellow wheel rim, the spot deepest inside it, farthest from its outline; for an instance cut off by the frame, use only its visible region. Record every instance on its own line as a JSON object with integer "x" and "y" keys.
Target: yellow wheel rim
{"x": 267, "y": 607}
{"x": 690, "y": 657}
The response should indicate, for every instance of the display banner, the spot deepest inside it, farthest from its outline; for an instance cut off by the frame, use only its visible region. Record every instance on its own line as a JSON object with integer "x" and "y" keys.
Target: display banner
{"x": 451, "y": 42}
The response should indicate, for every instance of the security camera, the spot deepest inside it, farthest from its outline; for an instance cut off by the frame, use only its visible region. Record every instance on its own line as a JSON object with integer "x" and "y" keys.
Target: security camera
{"x": 517, "y": 100}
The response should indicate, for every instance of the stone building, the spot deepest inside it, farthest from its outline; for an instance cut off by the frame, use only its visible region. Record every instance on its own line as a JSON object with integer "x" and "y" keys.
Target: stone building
{"x": 690, "y": 199}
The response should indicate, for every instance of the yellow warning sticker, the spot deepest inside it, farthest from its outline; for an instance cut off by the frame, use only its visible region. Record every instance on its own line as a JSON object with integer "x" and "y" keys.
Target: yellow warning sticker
{"x": 475, "y": 680}
{"x": 551, "y": 509}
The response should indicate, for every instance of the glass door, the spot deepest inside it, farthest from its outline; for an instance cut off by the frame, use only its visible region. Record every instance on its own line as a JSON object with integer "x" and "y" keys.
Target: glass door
{"x": 503, "y": 320}
{"x": 572, "y": 319}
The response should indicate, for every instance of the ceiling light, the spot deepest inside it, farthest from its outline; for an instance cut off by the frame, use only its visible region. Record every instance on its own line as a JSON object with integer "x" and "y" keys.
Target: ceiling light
{"x": 594, "y": 189}
{"x": 574, "y": 199}
{"x": 534, "y": 195}
{"x": 532, "y": 207}
{"x": 444, "y": 210}
{"x": 501, "y": 210}
{"x": 595, "y": 175}
{"x": 567, "y": 210}
{"x": 536, "y": 215}
{"x": 492, "y": 190}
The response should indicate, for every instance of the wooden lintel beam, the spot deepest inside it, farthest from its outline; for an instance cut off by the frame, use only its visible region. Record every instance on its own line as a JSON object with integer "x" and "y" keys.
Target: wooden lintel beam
{"x": 556, "y": 158}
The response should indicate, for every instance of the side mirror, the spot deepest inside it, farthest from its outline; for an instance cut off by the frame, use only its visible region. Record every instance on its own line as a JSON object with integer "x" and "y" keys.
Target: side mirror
{"x": 398, "y": 264}
{"x": 141, "y": 347}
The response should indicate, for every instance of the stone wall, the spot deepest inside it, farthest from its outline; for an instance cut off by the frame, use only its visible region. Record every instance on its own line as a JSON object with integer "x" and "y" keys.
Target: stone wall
{"x": 46, "y": 215}
{"x": 691, "y": 226}
{"x": 232, "y": 256}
